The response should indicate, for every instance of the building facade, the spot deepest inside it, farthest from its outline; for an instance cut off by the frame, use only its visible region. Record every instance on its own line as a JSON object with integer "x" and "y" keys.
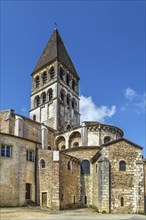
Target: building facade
{"x": 52, "y": 160}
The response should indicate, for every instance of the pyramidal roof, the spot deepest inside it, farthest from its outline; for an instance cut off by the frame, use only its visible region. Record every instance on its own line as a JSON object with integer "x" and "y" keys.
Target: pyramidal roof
{"x": 55, "y": 49}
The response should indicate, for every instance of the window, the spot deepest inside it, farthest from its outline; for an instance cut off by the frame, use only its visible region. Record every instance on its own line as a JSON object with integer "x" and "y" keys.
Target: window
{"x": 85, "y": 167}
{"x": 62, "y": 95}
{"x": 69, "y": 165}
{"x": 73, "y": 105}
{"x": 76, "y": 144}
{"x": 50, "y": 94}
{"x": 73, "y": 84}
{"x": 43, "y": 97}
{"x": 107, "y": 139}
{"x": 42, "y": 163}
{"x": 37, "y": 82}
{"x": 49, "y": 148}
{"x": 68, "y": 100}
{"x": 30, "y": 155}
{"x": 122, "y": 166}
{"x": 122, "y": 201}
{"x": 52, "y": 73}
{"x": 6, "y": 151}
{"x": 67, "y": 79}
{"x": 34, "y": 117}
{"x": 44, "y": 77}
{"x": 68, "y": 127}
{"x": 61, "y": 73}
{"x": 37, "y": 103}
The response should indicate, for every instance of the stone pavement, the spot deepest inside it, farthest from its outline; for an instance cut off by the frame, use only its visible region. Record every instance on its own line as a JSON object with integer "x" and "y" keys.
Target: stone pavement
{"x": 28, "y": 213}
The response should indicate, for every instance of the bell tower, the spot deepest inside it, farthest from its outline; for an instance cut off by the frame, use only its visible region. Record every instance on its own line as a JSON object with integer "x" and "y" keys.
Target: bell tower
{"x": 54, "y": 95}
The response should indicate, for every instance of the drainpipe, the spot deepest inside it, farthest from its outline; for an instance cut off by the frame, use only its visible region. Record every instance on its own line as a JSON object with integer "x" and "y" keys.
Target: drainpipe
{"x": 36, "y": 164}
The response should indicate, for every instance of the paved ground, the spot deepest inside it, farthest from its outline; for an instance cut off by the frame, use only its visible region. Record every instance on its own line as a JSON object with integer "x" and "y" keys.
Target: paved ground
{"x": 78, "y": 214}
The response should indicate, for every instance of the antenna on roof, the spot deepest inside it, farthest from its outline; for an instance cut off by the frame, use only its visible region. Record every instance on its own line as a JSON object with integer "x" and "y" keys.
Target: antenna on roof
{"x": 55, "y": 25}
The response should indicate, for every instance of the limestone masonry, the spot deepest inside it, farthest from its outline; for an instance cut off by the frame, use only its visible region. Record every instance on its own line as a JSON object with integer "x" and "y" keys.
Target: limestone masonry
{"x": 52, "y": 160}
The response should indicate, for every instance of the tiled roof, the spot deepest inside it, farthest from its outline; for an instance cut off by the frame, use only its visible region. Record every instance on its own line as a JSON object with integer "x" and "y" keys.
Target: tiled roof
{"x": 55, "y": 49}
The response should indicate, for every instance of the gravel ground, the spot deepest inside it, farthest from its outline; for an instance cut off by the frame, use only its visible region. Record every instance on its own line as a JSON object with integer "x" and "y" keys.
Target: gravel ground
{"x": 32, "y": 213}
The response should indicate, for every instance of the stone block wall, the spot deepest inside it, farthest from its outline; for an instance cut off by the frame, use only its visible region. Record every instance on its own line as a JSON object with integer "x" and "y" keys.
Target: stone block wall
{"x": 69, "y": 181}
{"x": 125, "y": 184}
{"x": 45, "y": 176}
{"x": 85, "y": 153}
{"x": 16, "y": 171}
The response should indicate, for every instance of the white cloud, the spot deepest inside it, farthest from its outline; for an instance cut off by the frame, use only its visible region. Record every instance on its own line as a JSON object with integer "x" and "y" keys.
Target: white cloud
{"x": 130, "y": 94}
{"x": 137, "y": 101}
{"x": 90, "y": 112}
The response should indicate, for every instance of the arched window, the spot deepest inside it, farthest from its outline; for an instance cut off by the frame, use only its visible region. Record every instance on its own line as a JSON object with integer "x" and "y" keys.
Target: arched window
{"x": 44, "y": 77}
{"x": 75, "y": 105}
{"x": 76, "y": 144}
{"x": 85, "y": 167}
{"x": 62, "y": 95}
{"x": 69, "y": 165}
{"x": 122, "y": 166}
{"x": 68, "y": 99}
{"x": 67, "y": 79}
{"x": 73, "y": 84}
{"x": 72, "y": 103}
{"x": 107, "y": 139}
{"x": 61, "y": 73}
{"x": 122, "y": 201}
{"x": 50, "y": 94}
{"x": 37, "y": 82}
{"x": 42, "y": 163}
{"x": 68, "y": 127}
{"x": 34, "y": 117}
{"x": 49, "y": 148}
{"x": 37, "y": 101}
{"x": 52, "y": 73}
{"x": 43, "y": 97}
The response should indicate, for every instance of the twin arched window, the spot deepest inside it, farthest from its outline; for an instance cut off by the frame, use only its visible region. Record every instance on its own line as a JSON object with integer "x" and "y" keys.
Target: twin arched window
{"x": 43, "y": 97}
{"x": 42, "y": 163}
{"x": 52, "y": 73}
{"x": 50, "y": 93}
{"x": 37, "y": 101}
{"x": 122, "y": 166}
{"x": 61, "y": 73}
{"x": 37, "y": 82}
{"x": 44, "y": 77}
{"x": 85, "y": 167}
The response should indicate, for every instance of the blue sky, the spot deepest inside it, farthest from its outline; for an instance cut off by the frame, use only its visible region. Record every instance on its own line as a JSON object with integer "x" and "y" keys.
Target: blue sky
{"x": 106, "y": 42}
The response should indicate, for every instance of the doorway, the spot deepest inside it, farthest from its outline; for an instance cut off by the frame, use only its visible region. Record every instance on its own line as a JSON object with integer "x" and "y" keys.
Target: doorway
{"x": 28, "y": 191}
{"x": 44, "y": 199}
{"x": 85, "y": 200}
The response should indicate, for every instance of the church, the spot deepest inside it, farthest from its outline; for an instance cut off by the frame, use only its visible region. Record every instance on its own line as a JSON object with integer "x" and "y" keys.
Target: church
{"x": 52, "y": 160}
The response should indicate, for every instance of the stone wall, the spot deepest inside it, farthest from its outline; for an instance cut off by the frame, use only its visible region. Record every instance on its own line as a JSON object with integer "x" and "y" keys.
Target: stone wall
{"x": 69, "y": 181}
{"x": 16, "y": 171}
{"x": 85, "y": 153}
{"x": 125, "y": 184}
{"x": 45, "y": 176}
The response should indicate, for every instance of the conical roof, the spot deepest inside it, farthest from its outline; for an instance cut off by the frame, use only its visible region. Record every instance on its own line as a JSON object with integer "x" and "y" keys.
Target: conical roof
{"x": 55, "y": 49}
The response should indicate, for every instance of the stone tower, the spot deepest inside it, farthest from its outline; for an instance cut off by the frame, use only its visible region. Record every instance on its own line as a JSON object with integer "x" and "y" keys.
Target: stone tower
{"x": 54, "y": 95}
